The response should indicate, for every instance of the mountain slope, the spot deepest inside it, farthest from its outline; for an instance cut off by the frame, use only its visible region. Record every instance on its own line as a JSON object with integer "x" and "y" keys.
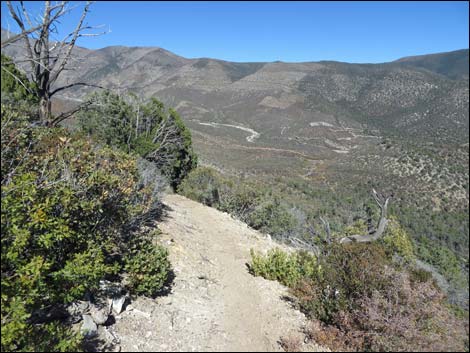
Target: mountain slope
{"x": 452, "y": 64}
{"x": 424, "y": 96}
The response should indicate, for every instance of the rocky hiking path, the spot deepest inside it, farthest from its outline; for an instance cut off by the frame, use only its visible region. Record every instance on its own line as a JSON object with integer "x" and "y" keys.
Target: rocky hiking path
{"x": 214, "y": 303}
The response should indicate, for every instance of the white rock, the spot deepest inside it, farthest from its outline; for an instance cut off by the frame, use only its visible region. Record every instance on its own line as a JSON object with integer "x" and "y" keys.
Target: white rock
{"x": 99, "y": 316}
{"x": 118, "y": 304}
{"x": 89, "y": 328}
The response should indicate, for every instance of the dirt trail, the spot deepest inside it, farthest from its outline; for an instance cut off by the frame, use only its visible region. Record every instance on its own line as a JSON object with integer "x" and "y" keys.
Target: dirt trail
{"x": 214, "y": 304}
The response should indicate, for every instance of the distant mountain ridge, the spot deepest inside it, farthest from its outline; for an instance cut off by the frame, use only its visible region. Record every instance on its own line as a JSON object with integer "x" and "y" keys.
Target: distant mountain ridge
{"x": 452, "y": 64}
{"x": 424, "y": 96}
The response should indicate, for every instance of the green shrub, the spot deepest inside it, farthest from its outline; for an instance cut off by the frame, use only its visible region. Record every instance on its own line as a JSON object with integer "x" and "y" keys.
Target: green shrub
{"x": 445, "y": 260}
{"x": 240, "y": 200}
{"x": 50, "y": 337}
{"x": 286, "y": 268}
{"x": 397, "y": 241}
{"x": 358, "y": 227}
{"x": 147, "y": 266}
{"x": 277, "y": 265}
{"x": 66, "y": 207}
{"x": 148, "y": 129}
{"x": 203, "y": 185}
{"x": 15, "y": 86}
{"x": 272, "y": 217}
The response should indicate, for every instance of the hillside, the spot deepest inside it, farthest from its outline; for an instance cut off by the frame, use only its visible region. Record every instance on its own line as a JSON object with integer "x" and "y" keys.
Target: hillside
{"x": 206, "y": 205}
{"x": 280, "y": 100}
{"x": 452, "y": 64}
{"x": 425, "y": 96}
{"x": 323, "y": 130}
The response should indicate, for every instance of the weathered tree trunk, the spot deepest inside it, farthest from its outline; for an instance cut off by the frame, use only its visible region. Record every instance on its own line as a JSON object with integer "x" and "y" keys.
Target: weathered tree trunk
{"x": 382, "y": 224}
{"x": 48, "y": 59}
{"x": 45, "y": 110}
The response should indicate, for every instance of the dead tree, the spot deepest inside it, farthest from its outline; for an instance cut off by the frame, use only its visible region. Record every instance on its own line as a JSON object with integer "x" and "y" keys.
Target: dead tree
{"x": 326, "y": 225}
{"x": 48, "y": 59}
{"x": 377, "y": 232}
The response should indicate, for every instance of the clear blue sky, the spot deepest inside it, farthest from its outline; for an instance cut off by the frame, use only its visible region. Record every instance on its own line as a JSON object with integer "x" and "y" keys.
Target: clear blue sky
{"x": 287, "y": 31}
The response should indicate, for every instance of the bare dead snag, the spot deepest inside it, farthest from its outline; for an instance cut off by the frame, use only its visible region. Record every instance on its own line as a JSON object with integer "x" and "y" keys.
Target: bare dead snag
{"x": 48, "y": 59}
{"x": 326, "y": 225}
{"x": 376, "y": 233}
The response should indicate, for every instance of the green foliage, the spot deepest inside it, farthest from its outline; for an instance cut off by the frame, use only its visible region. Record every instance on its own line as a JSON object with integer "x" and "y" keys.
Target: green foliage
{"x": 397, "y": 241}
{"x": 15, "y": 85}
{"x": 272, "y": 217}
{"x": 66, "y": 210}
{"x": 358, "y": 227}
{"x": 50, "y": 337}
{"x": 241, "y": 201}
{"x": 286, "y": 268}
{"x": 147, "y": 129}
{"x": 448, "y": 263}
{"x": 252, "y": 203}
{"x": 148, "y": 267}
{"x": 202, "y": 185}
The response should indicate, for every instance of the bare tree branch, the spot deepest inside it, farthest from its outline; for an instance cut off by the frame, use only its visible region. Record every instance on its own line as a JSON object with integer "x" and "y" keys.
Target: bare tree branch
{"x": 383, "y": 202}
{"x": 72, "y": 85}
{"x": 58, "y": 119}
{"x": 326, "y": 225}
{"x": 48, "y": 59}
{"x": 17, "y": 37}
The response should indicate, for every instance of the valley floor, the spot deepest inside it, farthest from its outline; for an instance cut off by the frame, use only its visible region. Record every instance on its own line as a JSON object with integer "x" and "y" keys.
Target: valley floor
{"x": 214, "y": 303}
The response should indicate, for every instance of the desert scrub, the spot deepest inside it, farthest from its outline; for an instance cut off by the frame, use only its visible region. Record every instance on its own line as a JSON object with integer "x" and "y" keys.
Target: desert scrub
{"x": 204, "y": 185}
{"x": 286, "y": 268}
{"x": 272, "y": 217}
{"x": 397, "y": 241}
{"x": 348, "y": 272}
{"x": 365, "y": 303}
{"x": 147, "y": 266}
{"x": 147, "y": 129}
{"x": 253, "y": 203}
{"x": 66, "y": 207}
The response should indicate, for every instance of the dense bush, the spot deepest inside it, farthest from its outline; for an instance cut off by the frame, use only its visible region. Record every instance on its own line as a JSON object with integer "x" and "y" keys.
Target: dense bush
{"x": 147, "y": 266}
{"x": 286, "y": 268}
{"x": 453, "y": 267}
{"x": 349, "y": 272}
{"x": 204, "y": 185}
{"x": 358, "y": 299}
{"x": 16, "y": 88}
{"x": 407, "y": 315}
{"x": 272, "y": 217}
{"x": 148, "y": 129}
{"x": 397, "y": 241}
{"x": 67, "y": 207}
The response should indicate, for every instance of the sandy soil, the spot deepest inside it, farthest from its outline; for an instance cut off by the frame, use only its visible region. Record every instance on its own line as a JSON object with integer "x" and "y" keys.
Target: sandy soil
{"x": 214, "y": 303}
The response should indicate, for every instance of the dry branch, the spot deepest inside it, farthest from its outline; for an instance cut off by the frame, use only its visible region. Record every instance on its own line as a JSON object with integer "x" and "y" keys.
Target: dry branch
{"x": 48, "y": 59}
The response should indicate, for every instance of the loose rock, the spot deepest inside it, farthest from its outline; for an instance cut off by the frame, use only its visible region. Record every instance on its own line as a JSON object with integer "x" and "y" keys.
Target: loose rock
{"x": 76, "y": 309}
{"x": 99, "y": 316}
{"x": 89, "y": 328}
{"x": 119, "y": 304}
